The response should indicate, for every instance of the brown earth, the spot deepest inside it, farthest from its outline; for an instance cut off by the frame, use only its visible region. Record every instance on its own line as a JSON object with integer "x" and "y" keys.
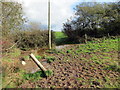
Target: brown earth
{"x": 74, "y": 73}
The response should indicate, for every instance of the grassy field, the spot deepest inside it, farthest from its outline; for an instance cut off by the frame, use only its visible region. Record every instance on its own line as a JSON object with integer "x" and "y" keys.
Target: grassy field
{"x": 60, "y": 35}
{"x": 60, "y": 38}
{"x": 91, "y": 65}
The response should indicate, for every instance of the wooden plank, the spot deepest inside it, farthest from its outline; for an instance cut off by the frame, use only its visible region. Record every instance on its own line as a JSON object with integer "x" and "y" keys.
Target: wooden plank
{"x": 37, "y": 62}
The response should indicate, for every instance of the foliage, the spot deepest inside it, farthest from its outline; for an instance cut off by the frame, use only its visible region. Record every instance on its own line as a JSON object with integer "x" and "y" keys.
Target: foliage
{"x": 12, "y": 17}
{"x": 59, "y": 35}
{"x": 32, "y": 39}
{"x": 94, "y": 20}
{"x": 60, "y": 38}
{"x": 49, "y": 73}
{"x": 50, "y": 59}
{"x": 37, "y": 75}
{"x": 68, "y": 51}
{"x": 113, "y": 68}
{"x": 5, "y": 44}
{"x": 38, "y": 57}
{"x": 33, "y": 76}
{"x": 99, "y": 51}
{"x": 99, "y": 55}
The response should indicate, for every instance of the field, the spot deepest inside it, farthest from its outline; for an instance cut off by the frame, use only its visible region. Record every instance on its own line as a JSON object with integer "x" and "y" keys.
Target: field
{"x": 91, "y": 65}
{"x": 60, "y": 38}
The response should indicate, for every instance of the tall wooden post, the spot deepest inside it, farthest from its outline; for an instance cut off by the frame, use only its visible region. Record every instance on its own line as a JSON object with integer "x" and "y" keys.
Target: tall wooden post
{"x": 49, "y": 26}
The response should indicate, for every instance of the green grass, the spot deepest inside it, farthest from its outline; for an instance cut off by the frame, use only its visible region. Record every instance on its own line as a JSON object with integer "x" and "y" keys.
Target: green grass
{"x": 99, "y": 52}
{"x": 59, "y": 35}
{"x": 105, "y": 46}
{"x": 38, "y": 57}
{"x": 68, "y": 51}
{"x": 33, "y": 77}
{"x": 49, "y": 73}
{"x": 113, "y": 67}
{"x": 15, "y": 53}
{"x": 50, "y": 59}
{"x": 37, "y": 75}
{"x": 60, "y": 38}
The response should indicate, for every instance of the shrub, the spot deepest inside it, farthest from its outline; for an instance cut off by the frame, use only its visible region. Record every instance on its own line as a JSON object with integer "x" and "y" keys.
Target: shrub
{"x": 33, "y": 39}
{"x": 5, "y": 43}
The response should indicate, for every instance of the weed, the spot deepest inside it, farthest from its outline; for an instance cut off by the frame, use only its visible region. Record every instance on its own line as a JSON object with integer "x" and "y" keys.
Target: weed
{"x": 37, "y": 75}
{"x": 83, "y": 59}
{"x": 62, "y": 52}
{"x": 68, "y": 51}
{"x": 78, "y": 51}
{"x": 49, "y": 73}
{"x": 6, "y": 59}
{"x": 106, "y": 57}
{"x": 26, "y": 57}
{"x": 113, "y": 68}
{"x": 80, "y": 79}
{"x": 53, "y": 51}
{"x": 15, "y": 53}
{"x": 33, "y": 77}
{"x": 50, "y": 59}
{"x": 38, "y": 57}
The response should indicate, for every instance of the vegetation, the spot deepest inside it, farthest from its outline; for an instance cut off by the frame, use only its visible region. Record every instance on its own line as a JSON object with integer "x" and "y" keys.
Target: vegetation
{"x": 38, "y": 57}
{"x": 93, "y": 20}
{"x": 102, "y": 55}
{"x": 27, "y": 41}
{"x": 12, "y": 19}
{"x": 50, "y": 59}
{"x": 37, "y": 75}
{"x": 49, "y": 73}
{"x": 16, "y": 34}
{"x": 93, "y": 63}
{"x": 60, "y": 38}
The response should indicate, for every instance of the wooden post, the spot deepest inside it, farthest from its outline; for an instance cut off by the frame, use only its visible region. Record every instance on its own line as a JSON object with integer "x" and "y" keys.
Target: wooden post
{"x": 108, "y": 35}
{"x": 49, "y": 26}
{"x": 37, "y": 62}
{"x": 85, "y": 38}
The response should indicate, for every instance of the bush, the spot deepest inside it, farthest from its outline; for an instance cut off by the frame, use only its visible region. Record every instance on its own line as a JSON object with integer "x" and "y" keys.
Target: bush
{"x": 5, "y": 43}
{"x": 96, "y": 20}
{"x": 32, "y": 39}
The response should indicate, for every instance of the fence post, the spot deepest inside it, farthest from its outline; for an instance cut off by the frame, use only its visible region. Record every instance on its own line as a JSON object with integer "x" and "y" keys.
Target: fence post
{"x": 85, "y": 38}
{"x": 38, "y": 63}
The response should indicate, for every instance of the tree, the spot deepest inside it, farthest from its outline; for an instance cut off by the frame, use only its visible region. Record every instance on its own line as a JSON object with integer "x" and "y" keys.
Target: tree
{"x": 12, "y": 17}
{"x": 92, "y": 19}
{"x": 113, "y": 26}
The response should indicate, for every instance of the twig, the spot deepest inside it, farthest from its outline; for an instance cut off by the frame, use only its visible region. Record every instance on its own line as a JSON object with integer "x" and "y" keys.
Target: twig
{"x": 12, "y": 45}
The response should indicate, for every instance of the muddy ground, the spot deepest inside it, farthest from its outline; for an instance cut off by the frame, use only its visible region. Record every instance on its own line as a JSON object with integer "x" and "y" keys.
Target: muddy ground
{"x": 73, "y": 71}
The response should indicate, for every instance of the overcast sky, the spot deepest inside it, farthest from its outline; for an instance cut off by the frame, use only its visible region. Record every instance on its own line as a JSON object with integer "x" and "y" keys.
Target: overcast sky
{"x": 61, "y": 10}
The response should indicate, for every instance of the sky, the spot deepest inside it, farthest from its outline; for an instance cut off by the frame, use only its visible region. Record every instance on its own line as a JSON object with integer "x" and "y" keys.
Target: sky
{"x": 61, "y": 10}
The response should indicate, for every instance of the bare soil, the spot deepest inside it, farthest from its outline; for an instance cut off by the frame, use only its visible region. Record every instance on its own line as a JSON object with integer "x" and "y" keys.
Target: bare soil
{"x": 73, "y": 73}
